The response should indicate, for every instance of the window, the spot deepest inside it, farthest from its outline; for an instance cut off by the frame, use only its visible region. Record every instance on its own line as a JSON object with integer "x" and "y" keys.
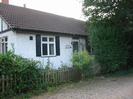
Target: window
{"x": 31, "y": 37}
{"x": 48, "y": 46}
{"x": 3, "y": 45}
{"x": 75, "y": 46}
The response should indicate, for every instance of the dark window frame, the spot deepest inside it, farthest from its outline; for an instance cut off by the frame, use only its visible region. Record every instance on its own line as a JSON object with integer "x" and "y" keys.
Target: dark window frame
{"x": 75, "y": 41}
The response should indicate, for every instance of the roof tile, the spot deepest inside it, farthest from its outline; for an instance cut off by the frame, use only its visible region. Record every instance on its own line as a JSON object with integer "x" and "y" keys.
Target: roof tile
{"x": 24, "y": 18}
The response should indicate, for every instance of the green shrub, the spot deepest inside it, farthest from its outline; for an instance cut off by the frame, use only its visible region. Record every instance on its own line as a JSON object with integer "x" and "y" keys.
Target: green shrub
{"x": 82, "y": 62}
{"x": 95, "y": 67}
{"x": 109, "y": 45}
{"x": 26, "y": 71}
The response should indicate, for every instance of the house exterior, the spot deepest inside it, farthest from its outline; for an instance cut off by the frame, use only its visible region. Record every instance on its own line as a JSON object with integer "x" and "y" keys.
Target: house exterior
{"x": 40, "y": 36}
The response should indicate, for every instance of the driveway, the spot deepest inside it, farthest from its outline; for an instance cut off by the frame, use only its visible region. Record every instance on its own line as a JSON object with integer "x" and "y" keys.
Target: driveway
{"x": 98, "y": 88}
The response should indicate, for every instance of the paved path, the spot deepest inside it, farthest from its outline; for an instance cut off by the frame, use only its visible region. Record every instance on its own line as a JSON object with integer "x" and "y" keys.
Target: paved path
{"x": 99, "y": 88}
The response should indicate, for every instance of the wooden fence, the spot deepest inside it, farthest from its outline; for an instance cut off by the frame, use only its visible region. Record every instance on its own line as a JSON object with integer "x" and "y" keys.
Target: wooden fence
{"x": 62, "y": 76}
{"x": 51, "y": 77}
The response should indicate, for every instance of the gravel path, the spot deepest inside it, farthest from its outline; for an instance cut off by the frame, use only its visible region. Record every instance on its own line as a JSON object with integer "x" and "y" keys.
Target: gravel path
{"x": 99, "y": 88}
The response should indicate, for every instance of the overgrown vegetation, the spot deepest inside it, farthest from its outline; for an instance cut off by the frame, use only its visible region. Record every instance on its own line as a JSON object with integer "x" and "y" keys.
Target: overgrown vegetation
{"x": 25, "y": 71}
{"x": 110, "y": 24}
{"x": 82, "y": 61}
{"x": 110, "y": 46}
{"x": 19, "y": 76}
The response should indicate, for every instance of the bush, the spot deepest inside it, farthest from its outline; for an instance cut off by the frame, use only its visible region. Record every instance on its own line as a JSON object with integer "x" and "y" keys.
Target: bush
{"x": 26, "y": 71}
{"x": 82, "y": 62}
{"x": 109, "y": 45}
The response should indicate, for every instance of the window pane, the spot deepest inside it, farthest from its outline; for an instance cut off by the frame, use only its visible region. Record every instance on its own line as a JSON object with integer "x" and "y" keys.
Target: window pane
{"x": 51, "y": 39}
{"x": 75, "y": 46}
{"x": 5, "y": 47}
{"x": 6, "y": 39}
{"x": 51, "y": 49}
{"x": 44, "y": 39}
{"x": 44, "y": 49}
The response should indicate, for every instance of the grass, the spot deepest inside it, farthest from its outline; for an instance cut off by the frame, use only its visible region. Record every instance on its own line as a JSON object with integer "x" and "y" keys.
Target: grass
{"x": 29, "y": 94}
{"x": 50, "y": 90}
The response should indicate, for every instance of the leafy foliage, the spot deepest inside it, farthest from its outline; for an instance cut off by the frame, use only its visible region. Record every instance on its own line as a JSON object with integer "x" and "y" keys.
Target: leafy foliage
{"x": 119, "y": 12}
{"x": 110, "y": 27}
{"x": 25, "y": 71}
{"x": 109, "y": 46}
{"x": 82, "y": 62}
{"x": 108, "y": 9}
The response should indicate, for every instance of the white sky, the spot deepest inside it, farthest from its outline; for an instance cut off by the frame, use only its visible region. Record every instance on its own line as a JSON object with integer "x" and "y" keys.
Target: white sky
{"x": 68, "y": 8}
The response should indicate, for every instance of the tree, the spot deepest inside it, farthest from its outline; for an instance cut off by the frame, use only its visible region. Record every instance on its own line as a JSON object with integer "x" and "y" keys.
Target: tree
{"x": 109, "y": 46}
{"x": 107, "y": 9}
{"x": 106, "y": 18}
{"x": 120, "y": 12}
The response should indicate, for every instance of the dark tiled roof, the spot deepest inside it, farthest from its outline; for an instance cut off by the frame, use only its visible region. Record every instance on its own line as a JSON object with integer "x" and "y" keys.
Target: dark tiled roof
{"x": 23, "y": 18}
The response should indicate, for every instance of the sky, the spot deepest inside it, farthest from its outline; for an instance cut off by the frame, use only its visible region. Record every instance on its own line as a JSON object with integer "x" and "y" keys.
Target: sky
{"x": 68, "y": 8}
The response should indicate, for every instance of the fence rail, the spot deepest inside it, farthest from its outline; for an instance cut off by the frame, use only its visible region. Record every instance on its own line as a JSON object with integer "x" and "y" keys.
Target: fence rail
{"x": 51, "y": 77}
{"x": 61, "y": 76}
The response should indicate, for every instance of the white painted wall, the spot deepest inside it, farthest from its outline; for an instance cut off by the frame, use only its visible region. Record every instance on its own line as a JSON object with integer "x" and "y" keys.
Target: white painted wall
{"x": 27, "y": 48}
{"x": 11, "y": 39}
{"x": 0, "y": 23}
{"x": 10, "y": 34}
{"x": 3, "y": 23}
{"x": 23, "y": 46}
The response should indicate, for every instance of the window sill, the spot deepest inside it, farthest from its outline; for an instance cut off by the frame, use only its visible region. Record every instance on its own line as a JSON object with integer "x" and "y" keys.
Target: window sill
{"x": 48, "y": 56}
